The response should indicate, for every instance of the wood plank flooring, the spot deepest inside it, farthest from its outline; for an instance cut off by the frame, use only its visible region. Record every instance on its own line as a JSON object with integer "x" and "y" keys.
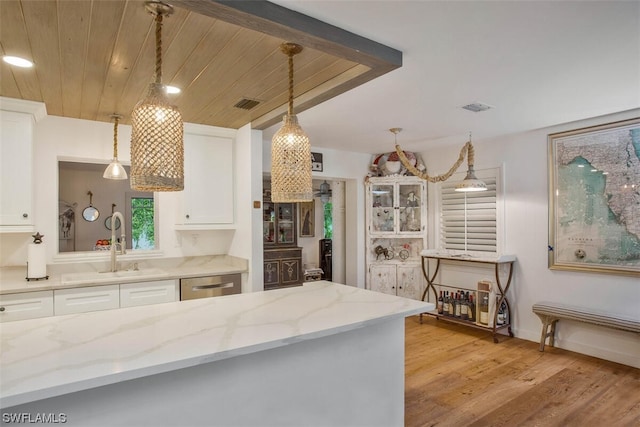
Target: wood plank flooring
{"x": 457, "y": 376}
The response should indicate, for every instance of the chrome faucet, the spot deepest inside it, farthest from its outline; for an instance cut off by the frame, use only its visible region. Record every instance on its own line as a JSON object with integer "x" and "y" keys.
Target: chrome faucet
{"x": 123, "y": 242}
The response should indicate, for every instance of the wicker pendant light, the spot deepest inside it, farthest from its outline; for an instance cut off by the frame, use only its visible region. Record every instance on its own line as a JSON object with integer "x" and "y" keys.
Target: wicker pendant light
{"x": 291, "y": 151}
{"x": 157, "y": 141}
{"x": 115, "y": 170}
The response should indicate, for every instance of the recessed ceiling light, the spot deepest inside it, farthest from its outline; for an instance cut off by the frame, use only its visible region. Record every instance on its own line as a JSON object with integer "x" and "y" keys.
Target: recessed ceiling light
{"x": 17, "y": 61}
{"x": 172, "y": 89}
{"x": 477, "y": 107}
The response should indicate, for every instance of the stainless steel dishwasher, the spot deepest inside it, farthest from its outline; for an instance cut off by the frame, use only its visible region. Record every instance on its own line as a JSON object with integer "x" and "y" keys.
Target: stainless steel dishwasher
{"x": 209, "y": 286}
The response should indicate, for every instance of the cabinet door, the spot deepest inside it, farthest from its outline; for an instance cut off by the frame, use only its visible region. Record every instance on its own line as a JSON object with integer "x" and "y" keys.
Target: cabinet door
{"x": 208, "y": 180}
{"x": 383, "y": 278}
{"x": 268, "y": 223}
{"x": 81, "y": 300}
{"x": 286, "y": 223}
{"x": 155, "y": 292}
{"x": 291, "y": 271}
{"x": 16, "y": 169}
{"x": 271, "y": 273}
{"x": 382, "y": 208}
{"x": 409, "y": 208}
{"x": 27, "y": 305}
{"x": 410, "y": 281}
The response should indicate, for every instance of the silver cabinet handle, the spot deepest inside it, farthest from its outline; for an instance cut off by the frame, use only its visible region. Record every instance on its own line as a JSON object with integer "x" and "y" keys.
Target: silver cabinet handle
{"x": 216, "y": 286}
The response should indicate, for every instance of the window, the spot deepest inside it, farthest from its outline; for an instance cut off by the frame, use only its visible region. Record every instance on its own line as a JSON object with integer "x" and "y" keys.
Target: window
{"x": 142, "y": 233}
{"x": 328, "y": 220}
{"x": 471, "y": 221}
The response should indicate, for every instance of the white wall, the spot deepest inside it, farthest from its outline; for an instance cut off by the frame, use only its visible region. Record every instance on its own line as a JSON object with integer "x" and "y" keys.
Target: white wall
{"x": 524, "y": 157}
{"x": 247, "y": 242}
{"x": 64, "y": 138}
{"x": 352, "y": 168}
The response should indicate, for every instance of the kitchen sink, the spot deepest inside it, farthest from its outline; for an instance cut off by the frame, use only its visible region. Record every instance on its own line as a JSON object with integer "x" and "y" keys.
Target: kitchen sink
{"x": 111, "y": 276}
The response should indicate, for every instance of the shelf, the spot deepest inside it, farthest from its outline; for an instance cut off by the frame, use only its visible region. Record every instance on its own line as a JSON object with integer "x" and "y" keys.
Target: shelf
{"x": 500, "y": 293}
{"x": 474, "y": 325}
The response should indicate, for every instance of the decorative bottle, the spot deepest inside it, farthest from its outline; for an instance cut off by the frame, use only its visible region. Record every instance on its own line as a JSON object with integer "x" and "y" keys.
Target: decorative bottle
{"x": 484, "y": 310}
{"x": 440, "y": 304}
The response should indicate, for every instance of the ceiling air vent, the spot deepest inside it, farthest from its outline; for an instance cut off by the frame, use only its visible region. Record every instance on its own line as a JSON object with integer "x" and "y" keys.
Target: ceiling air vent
{"x": 247, "y": 104}
{"x": 476, "y": 107}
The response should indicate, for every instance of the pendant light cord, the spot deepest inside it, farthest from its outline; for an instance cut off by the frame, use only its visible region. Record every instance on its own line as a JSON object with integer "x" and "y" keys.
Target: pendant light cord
{"x": 290, "y": 84}
{"x": 159, "y": 48}
{"x": 115, "y": 137}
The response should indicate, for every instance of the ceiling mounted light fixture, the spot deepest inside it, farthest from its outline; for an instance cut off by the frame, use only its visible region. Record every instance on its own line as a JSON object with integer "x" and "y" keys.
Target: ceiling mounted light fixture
{"x": 115, "y": 170}
{"x": 324, "y": 192}
{"x": 157, "y": 131}
{"x": 17, "y": 61}
{"x": 291, "y": 151}
{"x": 470, "y": 182}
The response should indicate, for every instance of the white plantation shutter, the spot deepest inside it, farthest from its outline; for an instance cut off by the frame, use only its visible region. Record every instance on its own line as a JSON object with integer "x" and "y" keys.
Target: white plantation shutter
{"x": 469, "y": 221}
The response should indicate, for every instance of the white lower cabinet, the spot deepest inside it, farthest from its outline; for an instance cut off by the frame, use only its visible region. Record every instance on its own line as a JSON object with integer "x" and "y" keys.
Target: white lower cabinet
{"x": 403, "y": 280}
{"x": 27, "y": 305}
{"x": 81, "y": 300}
{"x": 30, "y": 305}
{"x": 156, "y": 292}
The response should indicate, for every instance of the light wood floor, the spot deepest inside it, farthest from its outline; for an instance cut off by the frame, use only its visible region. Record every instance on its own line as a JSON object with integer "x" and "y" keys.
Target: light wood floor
{"x": 457, "y": 376}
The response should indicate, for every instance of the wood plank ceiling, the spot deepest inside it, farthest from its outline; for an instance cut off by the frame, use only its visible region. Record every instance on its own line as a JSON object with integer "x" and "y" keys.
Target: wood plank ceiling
{"x": 94, "y": 58}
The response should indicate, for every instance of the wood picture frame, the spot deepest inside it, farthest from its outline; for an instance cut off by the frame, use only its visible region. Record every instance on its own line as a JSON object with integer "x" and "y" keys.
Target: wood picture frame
{"x": 594, "y": 194}
{"x": 307, "y": 219}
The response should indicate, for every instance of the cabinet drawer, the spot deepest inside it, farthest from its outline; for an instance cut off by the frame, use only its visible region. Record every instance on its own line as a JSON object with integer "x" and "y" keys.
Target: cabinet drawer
{"x": 81, "y": 300}
{"x": 28, "y": 305}
{"x": 156, "y": 292}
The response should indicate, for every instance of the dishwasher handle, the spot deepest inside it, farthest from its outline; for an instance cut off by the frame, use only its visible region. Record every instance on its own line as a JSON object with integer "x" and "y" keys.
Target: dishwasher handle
{"x": 216, "y": 286}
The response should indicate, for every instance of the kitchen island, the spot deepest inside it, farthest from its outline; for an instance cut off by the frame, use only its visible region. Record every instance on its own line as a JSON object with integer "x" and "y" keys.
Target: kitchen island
{"x": 321, "y": 354}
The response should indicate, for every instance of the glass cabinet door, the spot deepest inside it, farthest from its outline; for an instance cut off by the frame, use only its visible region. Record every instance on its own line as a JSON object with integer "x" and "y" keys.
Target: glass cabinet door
{"x": 286, "y": 225}
{"x": 268, "y": 223}
{"x": 410, "y": 204}
{"x": 382, "y": 212}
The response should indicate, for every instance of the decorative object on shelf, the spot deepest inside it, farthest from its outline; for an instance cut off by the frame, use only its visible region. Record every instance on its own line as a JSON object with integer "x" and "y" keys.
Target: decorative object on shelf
{"x": 291, "y": 151}
{"x": 470, "y": 182}
{"x": 387, "y": 252}
{"x": 307, "y": 219}
{"x": 388, "y": 164}
{"x": 157, "y": 131}
{"x": 90, "y": 213}
{"x": 37, "y": 259}
{"x": 403, "y": 254}
{"x": 324, "y": 192}
{"x": 115, "y": 170}
{"x": 594, "y": 177}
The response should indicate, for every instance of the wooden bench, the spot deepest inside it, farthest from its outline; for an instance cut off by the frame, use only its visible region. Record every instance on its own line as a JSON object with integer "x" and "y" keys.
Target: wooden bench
{"x": 550, "y": 313}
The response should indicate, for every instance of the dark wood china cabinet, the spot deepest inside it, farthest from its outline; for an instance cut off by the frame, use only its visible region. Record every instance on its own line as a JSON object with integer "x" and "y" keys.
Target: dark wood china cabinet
{"x": 282, "y": 256}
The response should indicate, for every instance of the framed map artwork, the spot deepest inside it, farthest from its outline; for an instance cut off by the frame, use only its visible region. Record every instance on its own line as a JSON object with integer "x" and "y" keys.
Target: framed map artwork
{"x": 594, "y": 199}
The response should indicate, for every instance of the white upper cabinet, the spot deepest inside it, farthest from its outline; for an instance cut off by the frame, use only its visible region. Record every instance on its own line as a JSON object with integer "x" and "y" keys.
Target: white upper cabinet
{"x": 208, "y": 196}
{"x": 17, "y": 119}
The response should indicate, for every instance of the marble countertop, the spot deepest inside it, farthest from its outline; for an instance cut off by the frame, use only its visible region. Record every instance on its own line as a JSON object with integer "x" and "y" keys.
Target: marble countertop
{"x": 12, "y": 279}
{"x": 431, "y": 253}
{"x": 47, "y": 357}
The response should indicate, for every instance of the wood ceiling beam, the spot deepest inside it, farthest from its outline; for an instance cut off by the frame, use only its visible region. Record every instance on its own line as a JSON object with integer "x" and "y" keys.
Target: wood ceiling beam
{"x": 289, "y": 25}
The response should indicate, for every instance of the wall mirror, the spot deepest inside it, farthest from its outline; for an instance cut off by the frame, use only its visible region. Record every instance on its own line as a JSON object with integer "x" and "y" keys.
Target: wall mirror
{"x": 83, "y": 194}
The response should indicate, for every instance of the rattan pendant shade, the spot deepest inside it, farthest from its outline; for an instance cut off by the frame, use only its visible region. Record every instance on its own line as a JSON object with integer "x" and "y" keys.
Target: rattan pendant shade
{"x": 157, "y": 130}
{"x": 291, "y": 151}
